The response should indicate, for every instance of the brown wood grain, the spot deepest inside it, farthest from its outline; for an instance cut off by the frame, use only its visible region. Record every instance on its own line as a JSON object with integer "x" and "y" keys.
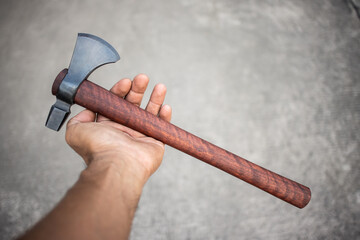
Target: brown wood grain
{"x": 100, "y": 100}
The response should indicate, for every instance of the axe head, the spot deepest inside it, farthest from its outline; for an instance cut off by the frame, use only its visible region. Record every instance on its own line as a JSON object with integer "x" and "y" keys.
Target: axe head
{"x": 90, "y": 53}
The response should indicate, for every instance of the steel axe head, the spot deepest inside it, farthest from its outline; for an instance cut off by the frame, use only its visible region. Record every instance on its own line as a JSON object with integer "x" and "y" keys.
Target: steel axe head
{"x": 90, "y": 53}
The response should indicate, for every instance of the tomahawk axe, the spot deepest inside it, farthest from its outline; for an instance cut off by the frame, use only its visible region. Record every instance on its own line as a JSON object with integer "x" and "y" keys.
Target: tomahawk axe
{"x": 71, "y": 86}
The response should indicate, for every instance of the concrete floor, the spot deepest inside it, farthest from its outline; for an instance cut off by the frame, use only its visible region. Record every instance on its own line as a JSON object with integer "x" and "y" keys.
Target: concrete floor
{"x": 277, "y": 83}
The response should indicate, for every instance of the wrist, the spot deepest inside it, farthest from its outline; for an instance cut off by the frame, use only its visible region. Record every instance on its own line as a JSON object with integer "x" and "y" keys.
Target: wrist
{"x": 109, "y": 174}
{"x": 128, "y": 167}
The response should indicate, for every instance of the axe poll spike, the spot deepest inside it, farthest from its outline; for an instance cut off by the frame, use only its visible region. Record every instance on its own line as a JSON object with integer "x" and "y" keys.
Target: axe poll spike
{"x": 100, "y": 100}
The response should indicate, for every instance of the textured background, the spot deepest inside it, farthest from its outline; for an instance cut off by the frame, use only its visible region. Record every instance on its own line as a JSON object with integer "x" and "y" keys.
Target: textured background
{"x": 276, "y": 82}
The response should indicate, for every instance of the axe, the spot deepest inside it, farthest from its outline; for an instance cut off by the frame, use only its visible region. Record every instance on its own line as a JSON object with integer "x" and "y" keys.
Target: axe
{"x": 71, "y": 86}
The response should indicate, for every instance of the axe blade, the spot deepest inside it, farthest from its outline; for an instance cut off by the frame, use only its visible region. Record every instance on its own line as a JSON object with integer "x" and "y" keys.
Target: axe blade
{"x": 90, "y": 52}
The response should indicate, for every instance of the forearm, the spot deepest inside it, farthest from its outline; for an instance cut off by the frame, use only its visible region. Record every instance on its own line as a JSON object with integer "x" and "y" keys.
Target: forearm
{"x": 101, "y": 205}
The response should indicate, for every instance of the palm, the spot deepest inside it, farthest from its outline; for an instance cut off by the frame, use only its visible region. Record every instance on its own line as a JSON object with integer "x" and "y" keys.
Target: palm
{"x": 90, "y": 136}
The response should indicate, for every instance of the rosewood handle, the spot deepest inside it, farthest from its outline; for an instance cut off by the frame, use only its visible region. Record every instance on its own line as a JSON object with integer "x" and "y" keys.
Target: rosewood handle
{"x": 100, "y": 100}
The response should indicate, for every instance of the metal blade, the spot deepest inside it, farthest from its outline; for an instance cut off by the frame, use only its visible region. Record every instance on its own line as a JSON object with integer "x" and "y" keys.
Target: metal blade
{"x": 90, "y": 53}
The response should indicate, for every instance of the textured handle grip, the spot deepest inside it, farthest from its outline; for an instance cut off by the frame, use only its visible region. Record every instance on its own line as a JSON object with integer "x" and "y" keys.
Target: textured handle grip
{"x": 100, "y": 100}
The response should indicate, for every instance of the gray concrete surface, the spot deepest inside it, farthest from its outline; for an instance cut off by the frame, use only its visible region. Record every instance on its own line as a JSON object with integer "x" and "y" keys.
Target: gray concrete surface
{"x": 276, "y": 82}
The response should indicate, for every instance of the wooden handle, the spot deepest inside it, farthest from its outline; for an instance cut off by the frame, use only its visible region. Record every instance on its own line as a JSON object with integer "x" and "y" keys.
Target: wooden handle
{"x": 100, "y": 100}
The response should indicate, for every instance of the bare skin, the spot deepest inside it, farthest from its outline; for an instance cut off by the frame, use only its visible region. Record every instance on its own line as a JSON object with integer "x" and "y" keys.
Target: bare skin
{"x": 102, "y": 203}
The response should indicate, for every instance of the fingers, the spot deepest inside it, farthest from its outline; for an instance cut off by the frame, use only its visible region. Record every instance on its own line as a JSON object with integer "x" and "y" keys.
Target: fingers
{"x": 165, "y": 113}
{"x": 133, "y": 91}
{"x": 137, "y": 89}
{"x": 121, "y": 88}
{"x": 73, "y": 134}
{"x": 84, "y": 116}
{"x": 154, "y": 105}
{"x": 156, "y": 99}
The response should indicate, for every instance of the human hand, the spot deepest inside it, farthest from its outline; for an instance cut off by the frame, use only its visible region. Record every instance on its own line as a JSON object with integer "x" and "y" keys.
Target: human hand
{"x": 98, "y": 139}
{"x": 119, "y": 159}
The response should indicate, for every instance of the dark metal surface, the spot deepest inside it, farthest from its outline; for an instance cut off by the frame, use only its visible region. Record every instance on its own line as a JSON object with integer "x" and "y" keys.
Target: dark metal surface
{"x": 90, "y": 53}
{"x": 58, "y": 114}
